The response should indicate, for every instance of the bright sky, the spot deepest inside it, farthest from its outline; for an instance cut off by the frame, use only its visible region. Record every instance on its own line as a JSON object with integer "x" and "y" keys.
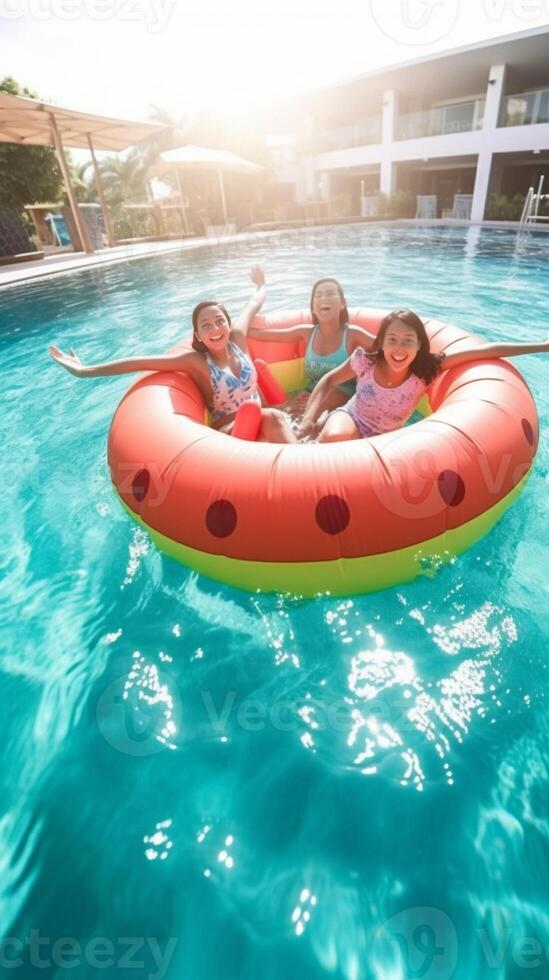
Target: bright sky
{"x": 121, "y": 57}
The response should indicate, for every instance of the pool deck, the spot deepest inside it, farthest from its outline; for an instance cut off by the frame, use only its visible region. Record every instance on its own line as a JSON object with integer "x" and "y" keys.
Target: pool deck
{"x": 18, "y": 273}
{"x": 54, "y": 265}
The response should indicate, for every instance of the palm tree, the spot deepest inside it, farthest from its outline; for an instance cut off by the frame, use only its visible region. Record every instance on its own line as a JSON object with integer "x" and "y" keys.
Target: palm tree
{"x": 123, "y": 178}
{"x": 84, "y": 183}
{"x": 178, "y": 131}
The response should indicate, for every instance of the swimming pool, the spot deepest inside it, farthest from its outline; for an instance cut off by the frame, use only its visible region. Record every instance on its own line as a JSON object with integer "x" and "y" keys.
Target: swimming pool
{"x": 200, "y": 783}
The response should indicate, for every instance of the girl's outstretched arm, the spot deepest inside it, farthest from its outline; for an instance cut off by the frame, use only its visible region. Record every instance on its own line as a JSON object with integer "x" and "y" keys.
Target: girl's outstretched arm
{"x": 240, "y": 328}
{"x": 488, "y": 351}
{"x": 281, "y": 335}
{"x": 167, "y": 362}
{"x": 360, "y": 337}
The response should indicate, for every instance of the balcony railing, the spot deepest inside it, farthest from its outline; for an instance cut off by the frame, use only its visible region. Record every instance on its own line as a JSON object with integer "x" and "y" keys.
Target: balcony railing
{"x": 364, "y": 132}
{"x": 460, "y": 117}
{"x": 525, "y": 109}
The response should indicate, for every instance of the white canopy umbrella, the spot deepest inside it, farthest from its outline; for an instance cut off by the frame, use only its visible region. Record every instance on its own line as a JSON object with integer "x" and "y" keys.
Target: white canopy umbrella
{"x": 203, "y": 158}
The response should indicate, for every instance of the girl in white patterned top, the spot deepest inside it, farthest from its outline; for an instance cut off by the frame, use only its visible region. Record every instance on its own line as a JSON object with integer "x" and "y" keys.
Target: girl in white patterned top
{"x": 219, "y": 364}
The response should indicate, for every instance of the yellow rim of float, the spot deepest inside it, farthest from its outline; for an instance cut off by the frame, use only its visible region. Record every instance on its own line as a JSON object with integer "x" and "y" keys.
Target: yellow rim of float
{"x": 289, "y": 374}
{"x": 342, "y": 576}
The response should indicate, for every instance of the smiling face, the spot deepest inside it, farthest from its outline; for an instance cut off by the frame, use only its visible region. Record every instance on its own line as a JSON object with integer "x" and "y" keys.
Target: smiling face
{"x": 212, "y": 328}
{"x": 327, "y": 302}
{"x": 400, "y": 346}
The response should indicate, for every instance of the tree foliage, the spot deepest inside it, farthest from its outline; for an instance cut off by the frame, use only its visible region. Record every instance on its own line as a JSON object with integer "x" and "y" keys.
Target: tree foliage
{"x": 124, "y": 176}
{"x": 28, "y": 174}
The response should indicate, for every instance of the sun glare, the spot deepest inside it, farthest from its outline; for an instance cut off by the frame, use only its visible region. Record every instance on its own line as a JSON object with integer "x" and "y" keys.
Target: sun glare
{"x": 185, "y": 57}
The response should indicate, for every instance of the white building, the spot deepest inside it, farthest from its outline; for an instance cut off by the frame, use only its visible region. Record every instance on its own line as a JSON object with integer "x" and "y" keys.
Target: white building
{"x": 470, "y": 121}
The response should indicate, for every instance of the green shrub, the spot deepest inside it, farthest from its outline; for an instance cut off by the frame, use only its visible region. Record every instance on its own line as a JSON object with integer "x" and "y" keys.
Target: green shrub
{"x": 341, "y": 206}
{"x": 402, "y": 204}
{"x": 501, "y": 208}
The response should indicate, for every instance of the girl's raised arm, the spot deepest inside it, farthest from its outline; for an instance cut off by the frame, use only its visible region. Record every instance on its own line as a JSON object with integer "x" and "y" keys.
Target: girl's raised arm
{"x": 487, "y": 351}
{"x": 167, "y": 362}
{"x": 243, "y": 323}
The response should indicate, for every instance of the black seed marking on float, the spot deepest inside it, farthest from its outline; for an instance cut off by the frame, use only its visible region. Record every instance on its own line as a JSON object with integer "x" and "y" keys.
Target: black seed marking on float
{"x": 221, "y": 518}
{"x": 528, "y": 431}
{"x": 451, "y": 487}
{"x": 332, "y": 514}
{"x": 140, "y": 484}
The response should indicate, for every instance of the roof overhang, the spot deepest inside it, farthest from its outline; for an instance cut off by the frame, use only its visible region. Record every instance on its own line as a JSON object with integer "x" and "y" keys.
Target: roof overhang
{"x": 460, "y": 71}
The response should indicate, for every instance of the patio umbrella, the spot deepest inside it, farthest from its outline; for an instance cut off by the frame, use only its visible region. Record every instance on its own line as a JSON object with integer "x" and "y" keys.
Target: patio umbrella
{"x": 30, "y": 122}
{"x": 203, "y": 158}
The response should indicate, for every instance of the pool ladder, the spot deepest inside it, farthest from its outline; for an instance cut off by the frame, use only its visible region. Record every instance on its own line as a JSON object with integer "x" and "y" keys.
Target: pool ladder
{"x": 530, "y": 211}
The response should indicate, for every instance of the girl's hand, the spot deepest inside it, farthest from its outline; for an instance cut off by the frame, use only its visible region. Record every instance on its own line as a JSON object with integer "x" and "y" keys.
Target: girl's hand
{"x": 307, "y": 429}
{"x": 71, "y": 361}
{"x": 310, "y": 428}
{"x": 257, "y": 275}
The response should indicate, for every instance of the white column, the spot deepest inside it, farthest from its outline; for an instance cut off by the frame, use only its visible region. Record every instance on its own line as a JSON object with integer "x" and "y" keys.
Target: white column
{"x": 300, "y": 188}
{"x": 389, "y": 116}
{"x": 482, "y": 183}
{"x": 305, "y": 173}
{"x": 387, "y": 178}
{"x": 307, "y": 179}
{"x": 222, "y": 195}
{"x": 494, "y": 94}
{"x": 389, "y": 121}
{"x": 324, "y": 186}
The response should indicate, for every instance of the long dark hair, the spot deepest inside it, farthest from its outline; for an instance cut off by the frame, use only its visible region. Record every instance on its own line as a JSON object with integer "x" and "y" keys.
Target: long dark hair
{"x": 425, "y": 364}
{"x": 344, "y": 312}
{"x": 197, "y": 344}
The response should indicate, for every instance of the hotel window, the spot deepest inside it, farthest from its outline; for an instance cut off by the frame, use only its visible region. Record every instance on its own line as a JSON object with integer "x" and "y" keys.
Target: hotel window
{"x": 458, "y": 118}
{"x": 519, "y": 109}
{"x": 543, "y": 112}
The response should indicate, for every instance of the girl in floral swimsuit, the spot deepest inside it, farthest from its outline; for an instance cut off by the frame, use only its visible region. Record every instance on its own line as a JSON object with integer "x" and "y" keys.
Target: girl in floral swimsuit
{"x": 218, "y": 364}
{"x": 393, "y": 376}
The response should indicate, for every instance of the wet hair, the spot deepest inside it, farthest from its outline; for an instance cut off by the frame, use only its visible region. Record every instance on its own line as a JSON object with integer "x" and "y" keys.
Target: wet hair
{"x": 197, "y": 344}
{"x": 425, "y": 364}
{"x": 344, "y": 312}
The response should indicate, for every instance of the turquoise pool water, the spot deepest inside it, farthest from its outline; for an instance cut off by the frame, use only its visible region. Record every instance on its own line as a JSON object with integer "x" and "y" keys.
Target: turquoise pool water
{"x": 202, "y": 784}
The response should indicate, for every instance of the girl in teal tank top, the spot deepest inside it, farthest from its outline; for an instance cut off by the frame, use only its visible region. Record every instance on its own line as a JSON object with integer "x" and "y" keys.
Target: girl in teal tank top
{"x": 317, "y": 365}
{"x": 330, "y": 327}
